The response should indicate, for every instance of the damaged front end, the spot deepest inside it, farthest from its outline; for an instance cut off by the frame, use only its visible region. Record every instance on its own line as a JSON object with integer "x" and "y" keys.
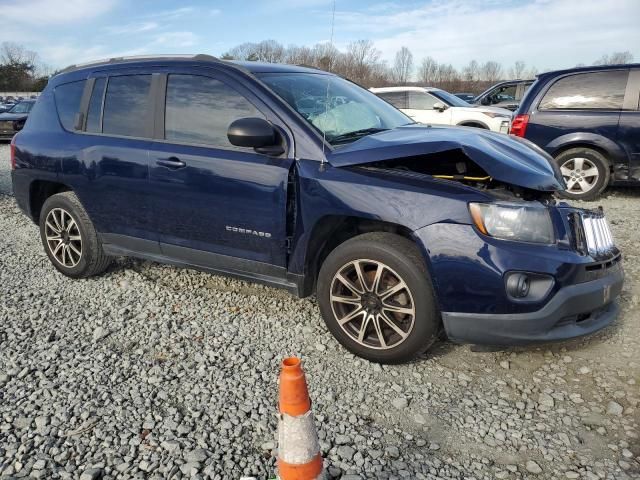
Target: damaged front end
{"x": 504, "y": 165}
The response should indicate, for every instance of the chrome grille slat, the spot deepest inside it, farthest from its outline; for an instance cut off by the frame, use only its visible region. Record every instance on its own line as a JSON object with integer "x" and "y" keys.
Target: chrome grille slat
{"x": 597, "y": 233}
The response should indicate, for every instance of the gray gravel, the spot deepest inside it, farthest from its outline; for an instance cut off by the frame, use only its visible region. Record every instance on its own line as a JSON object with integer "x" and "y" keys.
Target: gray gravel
{"x": 155, "y": 372}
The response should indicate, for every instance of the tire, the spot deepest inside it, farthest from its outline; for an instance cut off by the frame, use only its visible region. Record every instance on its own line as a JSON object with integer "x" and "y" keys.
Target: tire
{"x": 70, "y": 239}
{"x": 585, "y": 171}
{"x": 399, "y": 260}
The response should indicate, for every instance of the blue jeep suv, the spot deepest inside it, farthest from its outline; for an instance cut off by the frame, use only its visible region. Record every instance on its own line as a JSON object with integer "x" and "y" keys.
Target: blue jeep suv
{"x": 300, "y": 179}
{"x": 588, "y": 119}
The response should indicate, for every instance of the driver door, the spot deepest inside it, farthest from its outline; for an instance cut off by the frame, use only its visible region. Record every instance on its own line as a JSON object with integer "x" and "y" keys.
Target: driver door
{"x": 215, "y": 204}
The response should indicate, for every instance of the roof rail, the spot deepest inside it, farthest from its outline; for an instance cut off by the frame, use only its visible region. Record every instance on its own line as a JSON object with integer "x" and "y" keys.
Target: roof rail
{"x": 201, "y": 57}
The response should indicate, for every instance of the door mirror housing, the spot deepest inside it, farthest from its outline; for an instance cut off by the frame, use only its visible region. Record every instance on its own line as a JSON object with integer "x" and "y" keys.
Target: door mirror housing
{"x": 253, "y": 132}
{"x": 486, "y": 100}
{"x": 439, "y": 106}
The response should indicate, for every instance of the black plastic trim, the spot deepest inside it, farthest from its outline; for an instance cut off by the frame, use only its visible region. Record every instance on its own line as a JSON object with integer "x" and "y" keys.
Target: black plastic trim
{"x": 595, "y": 301}
{"x": 243, "y": 269}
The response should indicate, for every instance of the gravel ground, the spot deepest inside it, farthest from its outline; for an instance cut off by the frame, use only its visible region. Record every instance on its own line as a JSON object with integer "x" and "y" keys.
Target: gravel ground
{"x": 156, "y": 372}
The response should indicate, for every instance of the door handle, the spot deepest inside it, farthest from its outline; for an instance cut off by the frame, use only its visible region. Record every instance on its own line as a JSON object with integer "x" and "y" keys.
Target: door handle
{"x": 172, "y": 162}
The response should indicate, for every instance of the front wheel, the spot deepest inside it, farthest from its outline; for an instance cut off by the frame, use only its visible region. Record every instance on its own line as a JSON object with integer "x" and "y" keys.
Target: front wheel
{"x": 376, "y": 298}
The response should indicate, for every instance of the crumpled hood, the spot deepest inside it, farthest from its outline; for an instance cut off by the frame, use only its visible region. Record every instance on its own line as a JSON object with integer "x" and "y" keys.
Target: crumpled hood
{"x": 507, "y": 159}
{"x": 12, "y": 116}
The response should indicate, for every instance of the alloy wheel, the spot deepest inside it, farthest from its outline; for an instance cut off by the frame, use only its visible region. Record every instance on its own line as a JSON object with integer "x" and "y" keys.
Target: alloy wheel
{"x": 580, "y": 174}
{"x": 372, "y": 304}
{"x": 63, "y": 237}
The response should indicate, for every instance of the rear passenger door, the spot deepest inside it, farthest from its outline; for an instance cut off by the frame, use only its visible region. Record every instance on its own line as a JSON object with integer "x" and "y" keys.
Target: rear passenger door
{"x": 629, "y": 127}
{"x": 216, "y": 205}
{"x": 111, "y": 173}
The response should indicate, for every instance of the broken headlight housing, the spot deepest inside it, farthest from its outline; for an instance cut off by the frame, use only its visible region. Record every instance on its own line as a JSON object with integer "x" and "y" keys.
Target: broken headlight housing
{"x": 513, "y": 221}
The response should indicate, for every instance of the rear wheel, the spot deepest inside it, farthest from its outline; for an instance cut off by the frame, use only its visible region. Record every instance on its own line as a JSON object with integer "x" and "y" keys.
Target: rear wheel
{"x": 585, "y": 171}
{"x": 376, "y": 297}
{"x": 69, "y": 238}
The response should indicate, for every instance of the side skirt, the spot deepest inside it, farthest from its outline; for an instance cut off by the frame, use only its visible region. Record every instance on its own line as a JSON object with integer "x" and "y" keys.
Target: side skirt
{"x": 240, "y": 268}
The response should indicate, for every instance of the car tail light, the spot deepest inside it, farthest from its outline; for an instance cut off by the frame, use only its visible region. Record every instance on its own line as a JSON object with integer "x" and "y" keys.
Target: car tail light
{"x": 13, "y": 153}
{"x": 519, "y": 125}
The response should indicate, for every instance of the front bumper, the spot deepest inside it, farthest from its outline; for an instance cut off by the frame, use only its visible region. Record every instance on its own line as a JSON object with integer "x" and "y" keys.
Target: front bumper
{"x": 574, "y": 311}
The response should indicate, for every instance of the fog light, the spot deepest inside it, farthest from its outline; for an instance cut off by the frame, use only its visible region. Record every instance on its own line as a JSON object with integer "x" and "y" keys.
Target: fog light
{"x": 518, "y": 285}
{"x": 528, "y": 286}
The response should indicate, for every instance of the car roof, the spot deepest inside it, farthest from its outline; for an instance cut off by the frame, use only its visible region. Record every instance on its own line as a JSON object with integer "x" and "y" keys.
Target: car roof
{"x": 199, "y": 59}
{"x": 265, "y": 67}
{"x": 593, "y": 68}
{"x": 407, "y": 88}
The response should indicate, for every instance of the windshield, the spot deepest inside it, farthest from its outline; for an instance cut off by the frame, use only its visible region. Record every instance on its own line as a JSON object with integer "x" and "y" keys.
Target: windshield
{"x": 449, "y": 98}
{"x": 337, "y": 108}
{"x": 22, "y": 107}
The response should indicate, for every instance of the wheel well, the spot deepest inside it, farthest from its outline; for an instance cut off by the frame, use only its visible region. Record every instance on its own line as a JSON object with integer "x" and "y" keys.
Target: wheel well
{"x": 332, "y": 231}
{"x": 473, "y": 124}
{"x": 39, "y": 191}
{"x": 588, "y": 146}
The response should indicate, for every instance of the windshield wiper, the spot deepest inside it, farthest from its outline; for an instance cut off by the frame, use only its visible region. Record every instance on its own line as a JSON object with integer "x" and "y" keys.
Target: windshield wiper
{"x": 356, "y": 134}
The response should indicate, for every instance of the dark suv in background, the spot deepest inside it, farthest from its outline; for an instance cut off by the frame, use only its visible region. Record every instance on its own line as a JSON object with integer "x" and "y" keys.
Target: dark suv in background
{"x": 588, "y": 119}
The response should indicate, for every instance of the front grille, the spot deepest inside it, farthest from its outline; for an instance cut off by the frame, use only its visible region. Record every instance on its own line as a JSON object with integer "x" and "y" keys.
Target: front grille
{"x": 592, "y": 233}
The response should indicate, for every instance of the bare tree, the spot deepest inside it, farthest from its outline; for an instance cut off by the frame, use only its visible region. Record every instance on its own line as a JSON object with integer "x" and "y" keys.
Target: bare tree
{"x": 357, "y": 63}
{"x": 270, "y": 51}
{"x": 517, "y": 70}
{"x": 427, "y": 71}
{"x": 403, "y": 65}
{"x": 491, "y": 71}
{"x": 616, "y": 58}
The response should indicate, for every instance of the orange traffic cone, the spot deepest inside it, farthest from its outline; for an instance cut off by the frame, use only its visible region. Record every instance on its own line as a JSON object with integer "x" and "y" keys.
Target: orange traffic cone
{"x": 298, "y": 448}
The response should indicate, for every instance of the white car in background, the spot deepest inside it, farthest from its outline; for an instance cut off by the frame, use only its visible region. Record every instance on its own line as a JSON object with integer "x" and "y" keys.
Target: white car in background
{"x": 434, "y": 106}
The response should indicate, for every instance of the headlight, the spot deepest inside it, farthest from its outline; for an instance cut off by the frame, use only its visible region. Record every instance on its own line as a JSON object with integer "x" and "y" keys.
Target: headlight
{"x": 495, "y": 115}
{"x": 530, "y": 223}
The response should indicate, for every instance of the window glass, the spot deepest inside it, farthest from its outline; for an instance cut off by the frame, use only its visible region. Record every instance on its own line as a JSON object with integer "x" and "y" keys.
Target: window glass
{"x": 338, "y": 109}
{"x": 422, "y": 101}
{"x": 68, "y": 97}
{"x": 200, "y": 110}
{"x": 95, "y": 106}
{"x": 397, "y": 99}
{"x": 125, "y": 105}
{"x": 598, "y": 90}
{"x": 506, "y": 93}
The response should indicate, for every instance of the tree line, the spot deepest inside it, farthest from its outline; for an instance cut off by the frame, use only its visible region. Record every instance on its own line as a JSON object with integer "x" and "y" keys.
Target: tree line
{"x": 20, "y": 69}
{"x": 360, "y": 61}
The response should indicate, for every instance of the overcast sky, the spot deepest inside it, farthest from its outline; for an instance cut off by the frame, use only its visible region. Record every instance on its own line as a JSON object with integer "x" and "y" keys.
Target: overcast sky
{"x": 547, "y": 34}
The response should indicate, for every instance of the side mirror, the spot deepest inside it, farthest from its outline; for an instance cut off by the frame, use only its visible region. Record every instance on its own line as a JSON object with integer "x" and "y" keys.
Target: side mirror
{"x": 251, "y": 132}
{"x": 255, "y": 133}
{"x": 486, "y": 100}
{"x": 439, "y": 106}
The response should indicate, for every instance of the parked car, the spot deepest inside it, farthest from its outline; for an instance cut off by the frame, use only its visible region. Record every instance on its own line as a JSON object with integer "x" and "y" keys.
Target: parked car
{"x": 5, "y": 107}
{"x": 300, "y": 179}
{"x": 504, "y": 94}
{"x": 14, "y": 119}
{"x": 434, "y": 106}
{"x": 467, "y": 97}
{"x": 588, "y": 120}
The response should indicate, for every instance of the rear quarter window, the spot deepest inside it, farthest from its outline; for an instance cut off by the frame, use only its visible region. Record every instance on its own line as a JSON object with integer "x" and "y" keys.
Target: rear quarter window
{"x": 68, "y": 97}
{"x": 587, "y": 91}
